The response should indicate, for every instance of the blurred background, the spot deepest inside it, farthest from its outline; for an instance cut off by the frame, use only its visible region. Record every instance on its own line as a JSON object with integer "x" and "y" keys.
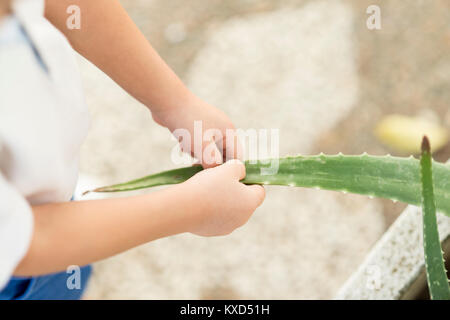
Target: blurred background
{"x": 313, "y": 70}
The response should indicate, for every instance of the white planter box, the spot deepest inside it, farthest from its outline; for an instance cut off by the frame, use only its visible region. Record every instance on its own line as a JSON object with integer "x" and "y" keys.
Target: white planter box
{"x": 395, "y": 268}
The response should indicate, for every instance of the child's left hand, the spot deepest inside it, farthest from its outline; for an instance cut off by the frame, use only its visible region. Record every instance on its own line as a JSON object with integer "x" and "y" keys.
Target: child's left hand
{"x": 214, "y": 147}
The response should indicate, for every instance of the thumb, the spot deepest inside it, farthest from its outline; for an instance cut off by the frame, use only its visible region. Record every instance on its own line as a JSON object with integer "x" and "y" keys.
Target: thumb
{"x": 257, "y": 193}
{"x": 234, "y": 168}
{"x": 211, "y": 155}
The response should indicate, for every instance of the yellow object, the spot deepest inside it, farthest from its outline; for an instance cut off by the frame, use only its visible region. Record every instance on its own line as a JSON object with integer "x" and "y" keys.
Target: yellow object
{"x": 404, "y": 134}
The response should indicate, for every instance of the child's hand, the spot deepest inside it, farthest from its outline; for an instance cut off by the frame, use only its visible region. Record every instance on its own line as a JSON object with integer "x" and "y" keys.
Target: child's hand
{"x": 214, "y": 150}
{"x": 222, "y": 202}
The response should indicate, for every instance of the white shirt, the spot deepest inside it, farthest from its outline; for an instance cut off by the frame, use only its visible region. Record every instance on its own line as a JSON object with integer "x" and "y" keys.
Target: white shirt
{"x": 43, "y": 121}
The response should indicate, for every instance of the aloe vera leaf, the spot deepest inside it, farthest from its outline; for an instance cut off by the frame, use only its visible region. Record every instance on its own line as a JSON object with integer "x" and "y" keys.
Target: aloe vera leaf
{"x": 385, "y": 177}
{"x": 434, "y": 261}
{"x": 158, "y": 179}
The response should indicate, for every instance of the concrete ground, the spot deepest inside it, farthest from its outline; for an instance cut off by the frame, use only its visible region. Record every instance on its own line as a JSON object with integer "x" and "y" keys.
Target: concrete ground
{"x": 309, "y": 68}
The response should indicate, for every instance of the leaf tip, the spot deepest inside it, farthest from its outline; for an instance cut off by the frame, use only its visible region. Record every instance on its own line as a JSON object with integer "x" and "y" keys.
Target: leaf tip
{"x": 425, "y": 145}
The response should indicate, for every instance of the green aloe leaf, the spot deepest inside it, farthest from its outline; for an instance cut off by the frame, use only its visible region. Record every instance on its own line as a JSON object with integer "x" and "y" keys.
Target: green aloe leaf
{"x": 388, "y": 177}
{"x": 434, "y": 261}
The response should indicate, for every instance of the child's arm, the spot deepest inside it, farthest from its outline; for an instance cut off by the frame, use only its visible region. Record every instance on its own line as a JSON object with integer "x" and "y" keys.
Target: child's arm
{"x": 5, "y": 8}
{"x": 110, "y": 40}
{"x": 212, "y": 202}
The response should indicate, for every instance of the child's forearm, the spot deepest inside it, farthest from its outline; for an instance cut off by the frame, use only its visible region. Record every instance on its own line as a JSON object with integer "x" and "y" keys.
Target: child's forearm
{"x": 211, "y": 203}
{"x": 79, "y": 233}
{"x": 109, "y": 39}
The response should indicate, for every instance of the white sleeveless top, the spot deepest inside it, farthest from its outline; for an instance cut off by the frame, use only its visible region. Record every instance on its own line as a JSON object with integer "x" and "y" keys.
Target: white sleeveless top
{"x": 43, "y": 121}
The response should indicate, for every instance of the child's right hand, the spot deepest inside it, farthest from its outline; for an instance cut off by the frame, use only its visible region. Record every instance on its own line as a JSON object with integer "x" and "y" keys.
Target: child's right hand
{"x": 222, "y": 203}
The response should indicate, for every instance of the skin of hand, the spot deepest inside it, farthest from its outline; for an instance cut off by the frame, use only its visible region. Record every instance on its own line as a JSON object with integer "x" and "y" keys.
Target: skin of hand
{"x": 110, "y": 40}
{"x": 221, "y": 145}
{"x": 226, "y": 203}
{"x": 211, "y": 203}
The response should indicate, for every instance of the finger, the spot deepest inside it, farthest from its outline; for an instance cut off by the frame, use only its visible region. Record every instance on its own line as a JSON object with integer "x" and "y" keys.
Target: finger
{"x": 234, "y": 168}
{"x": 258, "y": 193}
{"x": 211, "y": 155}
{"x": 239, "y": 150}
{"x": 232, "y": 146}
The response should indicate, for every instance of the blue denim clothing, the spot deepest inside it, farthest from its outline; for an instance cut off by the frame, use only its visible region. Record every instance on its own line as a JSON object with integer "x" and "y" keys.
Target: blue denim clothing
{"x": 49, "y": 287}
